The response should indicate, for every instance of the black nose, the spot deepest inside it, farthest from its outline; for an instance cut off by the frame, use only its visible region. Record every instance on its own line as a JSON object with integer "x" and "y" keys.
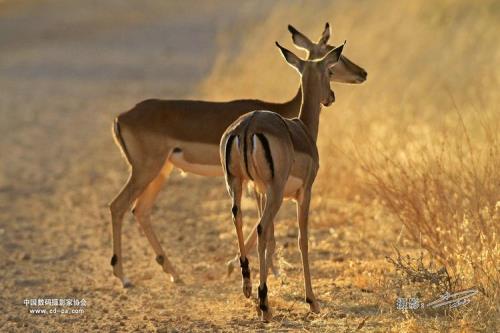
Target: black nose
{"x": 330, "y": 100}
{"x": 362, "y": 77}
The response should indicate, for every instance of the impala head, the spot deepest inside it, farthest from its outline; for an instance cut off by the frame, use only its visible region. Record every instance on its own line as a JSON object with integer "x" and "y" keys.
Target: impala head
{"x": 315, "y": 74}
{"x": 345, "y": 71}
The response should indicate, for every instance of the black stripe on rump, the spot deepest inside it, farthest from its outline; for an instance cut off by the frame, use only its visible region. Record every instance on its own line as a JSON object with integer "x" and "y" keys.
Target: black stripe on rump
{"x": 267, "y": 151}
{"x": 229, "y": 143}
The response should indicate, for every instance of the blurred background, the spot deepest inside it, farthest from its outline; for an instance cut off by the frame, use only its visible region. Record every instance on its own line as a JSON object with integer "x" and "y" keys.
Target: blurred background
{"x": 409, "y": 161}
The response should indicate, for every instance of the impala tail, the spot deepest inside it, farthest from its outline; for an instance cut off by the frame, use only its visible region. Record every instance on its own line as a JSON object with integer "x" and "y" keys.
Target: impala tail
{"x": 262, "y": 158}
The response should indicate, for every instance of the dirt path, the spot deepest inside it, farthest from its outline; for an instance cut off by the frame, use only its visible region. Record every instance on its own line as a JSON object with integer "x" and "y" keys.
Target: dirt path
{"x": 66, "y": 68}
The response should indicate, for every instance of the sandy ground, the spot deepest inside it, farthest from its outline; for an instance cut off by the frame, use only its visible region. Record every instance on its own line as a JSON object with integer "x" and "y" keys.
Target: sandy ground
{"x": 66, "y": 69}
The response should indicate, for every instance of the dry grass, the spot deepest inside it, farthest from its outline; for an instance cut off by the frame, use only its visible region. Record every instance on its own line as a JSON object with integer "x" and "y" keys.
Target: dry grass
{"x": 418, "y": 142}
{"x": 446, "y": 196}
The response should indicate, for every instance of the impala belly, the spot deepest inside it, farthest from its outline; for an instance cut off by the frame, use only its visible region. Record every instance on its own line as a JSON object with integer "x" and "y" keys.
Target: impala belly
{"x": 197, "y": 158}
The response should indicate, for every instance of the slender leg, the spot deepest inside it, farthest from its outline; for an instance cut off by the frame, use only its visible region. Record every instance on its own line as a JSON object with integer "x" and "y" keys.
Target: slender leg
{"x": 273, "y": 204}
{"x": 236, "y": 190}
{"x": 303, "y": 217}
{"x": 260, "y": 202}
{"x": 251, "y": 241}
{"x": 271, "y": 246}
{"x": 271, "y": 240}
{"x": 142, "y": 212}
{"x": 120, "y": 204}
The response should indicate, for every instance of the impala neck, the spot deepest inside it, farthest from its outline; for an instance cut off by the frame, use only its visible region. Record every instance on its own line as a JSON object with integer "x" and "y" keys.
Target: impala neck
{"x": 291, "y": 108}
{"x": 310, "y": 108}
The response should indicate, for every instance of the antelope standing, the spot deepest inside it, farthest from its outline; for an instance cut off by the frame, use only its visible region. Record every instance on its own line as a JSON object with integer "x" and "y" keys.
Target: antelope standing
{"x": 280, "y": 157}
{"x": 157, "y": 135}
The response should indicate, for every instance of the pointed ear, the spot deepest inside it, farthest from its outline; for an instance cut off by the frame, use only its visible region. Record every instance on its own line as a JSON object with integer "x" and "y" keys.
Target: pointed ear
{"x": 291, "y": 58}
{"x": 333, "y": 56}
{"x": 326, "y": 34}
{"x": 300, "y": 41}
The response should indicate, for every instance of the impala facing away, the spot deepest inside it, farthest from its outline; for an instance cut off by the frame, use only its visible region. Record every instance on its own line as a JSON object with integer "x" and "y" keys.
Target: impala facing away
{"x": 279, "y": 156}
{"x": 157, "y": 135}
